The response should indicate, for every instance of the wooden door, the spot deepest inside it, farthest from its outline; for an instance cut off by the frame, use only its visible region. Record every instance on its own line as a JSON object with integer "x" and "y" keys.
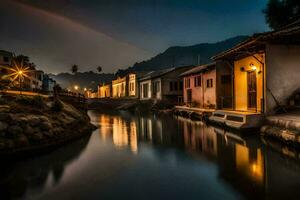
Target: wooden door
{"x": 252, "y": 90}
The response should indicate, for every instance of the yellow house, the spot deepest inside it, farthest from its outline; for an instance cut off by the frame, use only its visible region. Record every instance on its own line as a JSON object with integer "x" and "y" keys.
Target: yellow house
{"x": 104, "y": 90}
{"x": 265, "y": 74}
{"x": 119, "y": 87}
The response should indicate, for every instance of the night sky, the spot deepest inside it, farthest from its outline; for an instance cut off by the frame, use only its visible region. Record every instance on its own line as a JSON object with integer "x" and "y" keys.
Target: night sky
{"x": 117, "y": 33}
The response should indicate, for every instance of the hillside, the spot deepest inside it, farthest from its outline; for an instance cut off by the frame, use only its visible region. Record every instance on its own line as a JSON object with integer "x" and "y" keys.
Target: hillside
{"x": 189, "y": 55}
{"x": 82, "y": 79}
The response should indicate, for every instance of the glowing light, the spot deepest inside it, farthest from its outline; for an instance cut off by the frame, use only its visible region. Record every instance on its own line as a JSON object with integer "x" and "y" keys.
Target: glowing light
{"x": 253, "y": 67}
{"x": 85, "y": 89}
{"x": 76, "y": 87}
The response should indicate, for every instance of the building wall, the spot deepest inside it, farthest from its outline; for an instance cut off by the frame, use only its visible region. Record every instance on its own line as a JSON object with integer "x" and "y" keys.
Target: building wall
{"x": 240, "y": 82}
{"x": 5, "y": 58}
{"x": 283, "y": 70}
{"x": 224, "y": 85}
{"x": 119, "y": 87}
{"x": 104, "y": 91}
{"x": 197, "y": 92}
{"x": 209, "y": 92}
{"x": 202, "y": 96}
{"x": 158, "y": 83}
{"x": 142, "y": 84}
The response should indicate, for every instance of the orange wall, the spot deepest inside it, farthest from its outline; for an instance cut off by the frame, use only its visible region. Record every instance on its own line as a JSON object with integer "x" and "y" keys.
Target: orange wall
{"x": 240, "y": 82}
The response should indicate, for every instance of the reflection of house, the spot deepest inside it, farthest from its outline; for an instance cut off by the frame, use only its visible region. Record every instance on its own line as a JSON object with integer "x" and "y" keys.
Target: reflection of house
{"x": 119, "y": 87}
{"x": 162, "y": 84}
{"x": 104, "y": 91}
{"x": 265, "y": 72}
{"x": 204, "y": 84}
{"x": 242, "y": 166}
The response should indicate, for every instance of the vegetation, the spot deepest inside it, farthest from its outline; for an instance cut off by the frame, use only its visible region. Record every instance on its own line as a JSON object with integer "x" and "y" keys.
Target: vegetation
{"x": 99, "y": 69}
{"x": 23, "y": 61}
{"x": 74, "y": 69}
{"x": 279, "y": 13}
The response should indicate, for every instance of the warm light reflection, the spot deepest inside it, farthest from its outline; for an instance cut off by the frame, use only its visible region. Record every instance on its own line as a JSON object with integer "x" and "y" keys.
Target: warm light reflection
{"x": 250, "y": 163}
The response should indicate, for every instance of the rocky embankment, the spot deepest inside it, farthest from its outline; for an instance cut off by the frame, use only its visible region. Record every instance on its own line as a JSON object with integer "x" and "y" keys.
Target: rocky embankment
{"x": 31, "y": 125}
{"x": 284, "y": 127}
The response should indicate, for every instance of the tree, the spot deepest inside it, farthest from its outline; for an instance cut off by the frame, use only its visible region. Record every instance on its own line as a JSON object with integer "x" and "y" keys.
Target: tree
{"x": 23, "y": 62}
{"x": 99, "y": 69}
{"x": 74, "y": 69}
{"x": 279, "y": 13}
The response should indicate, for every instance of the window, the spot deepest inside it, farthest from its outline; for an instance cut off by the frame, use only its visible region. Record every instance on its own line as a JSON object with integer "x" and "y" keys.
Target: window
{"x": 131, "y": 87}
{"x": 171, "y": 86}
{"x": 187, "y": 83}
{"x": 209, "y": 83}
{"x": 145, "y": 90}
{"x": 197, "y": 81}
{"x": 176, "y": 86}
{"x": 156, "y": 87}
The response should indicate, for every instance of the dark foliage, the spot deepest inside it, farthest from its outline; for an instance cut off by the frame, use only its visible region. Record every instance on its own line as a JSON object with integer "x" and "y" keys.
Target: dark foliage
{"x": 279, "y": 13}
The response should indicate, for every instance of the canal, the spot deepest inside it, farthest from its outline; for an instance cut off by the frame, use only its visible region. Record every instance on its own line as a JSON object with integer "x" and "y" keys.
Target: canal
{"x": 156, "y": 157}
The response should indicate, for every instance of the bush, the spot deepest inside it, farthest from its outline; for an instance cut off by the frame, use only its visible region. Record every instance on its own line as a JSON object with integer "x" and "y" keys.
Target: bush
{"x": 57, "y": 106}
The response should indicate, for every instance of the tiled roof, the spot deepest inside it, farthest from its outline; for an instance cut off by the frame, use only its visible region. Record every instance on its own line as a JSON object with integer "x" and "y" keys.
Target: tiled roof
{"x": 198, "y": 69}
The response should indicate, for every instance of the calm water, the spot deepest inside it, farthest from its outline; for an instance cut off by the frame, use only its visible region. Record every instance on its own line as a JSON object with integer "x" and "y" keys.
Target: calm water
{"x": 150, "y": 157}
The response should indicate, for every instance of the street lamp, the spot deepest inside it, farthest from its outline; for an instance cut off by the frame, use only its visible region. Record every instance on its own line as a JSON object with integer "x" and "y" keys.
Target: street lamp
{"x": 76, "y": 87}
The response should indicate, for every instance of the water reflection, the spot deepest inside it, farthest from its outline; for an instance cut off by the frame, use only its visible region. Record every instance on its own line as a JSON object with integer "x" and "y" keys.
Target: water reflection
{"x": 17, "y": 179}
{"x": 242, "y": 160}
{"x": 187, "y": 159}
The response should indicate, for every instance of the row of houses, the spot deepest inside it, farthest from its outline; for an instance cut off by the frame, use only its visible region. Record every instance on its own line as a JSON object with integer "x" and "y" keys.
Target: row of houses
{"x": 33, "y": 80}
{"x": 161, "y": 85}
{"x": 243, "y": 84}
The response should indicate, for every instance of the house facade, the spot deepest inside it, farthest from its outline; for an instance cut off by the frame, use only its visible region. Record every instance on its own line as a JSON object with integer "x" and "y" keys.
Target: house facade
{"x": 119, "y": 87}
{"x": 207, "y": 86}
{"x": 163, "y": 85}
{"x": 104, "y": 91}
{"x": 48, "y": 83}
{"x": 6, "y": 58}
{"x": 265, "y": 70}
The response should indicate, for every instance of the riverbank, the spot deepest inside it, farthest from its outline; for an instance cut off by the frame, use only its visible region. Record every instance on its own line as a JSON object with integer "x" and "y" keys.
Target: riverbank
{"x": 283, "y": 127}
{"x": 31, "y": 125}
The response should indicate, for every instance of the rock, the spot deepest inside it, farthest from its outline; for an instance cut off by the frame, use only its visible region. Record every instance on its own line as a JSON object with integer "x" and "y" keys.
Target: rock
{"x": 5, "y": 117}
{"x": 14, "y": 131}
{"x": 34, "y": 121}
{"x": 45, "y": 126}
{"x": 28, "y": 130}
{"x": 48, "y": 134}
{"x": 36, "y": 137}
{"x": 2, "y": 144}
{"x": 3, "y": 126}
{"x": 9, "y": 144}
{"x": 21, "y": 141}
